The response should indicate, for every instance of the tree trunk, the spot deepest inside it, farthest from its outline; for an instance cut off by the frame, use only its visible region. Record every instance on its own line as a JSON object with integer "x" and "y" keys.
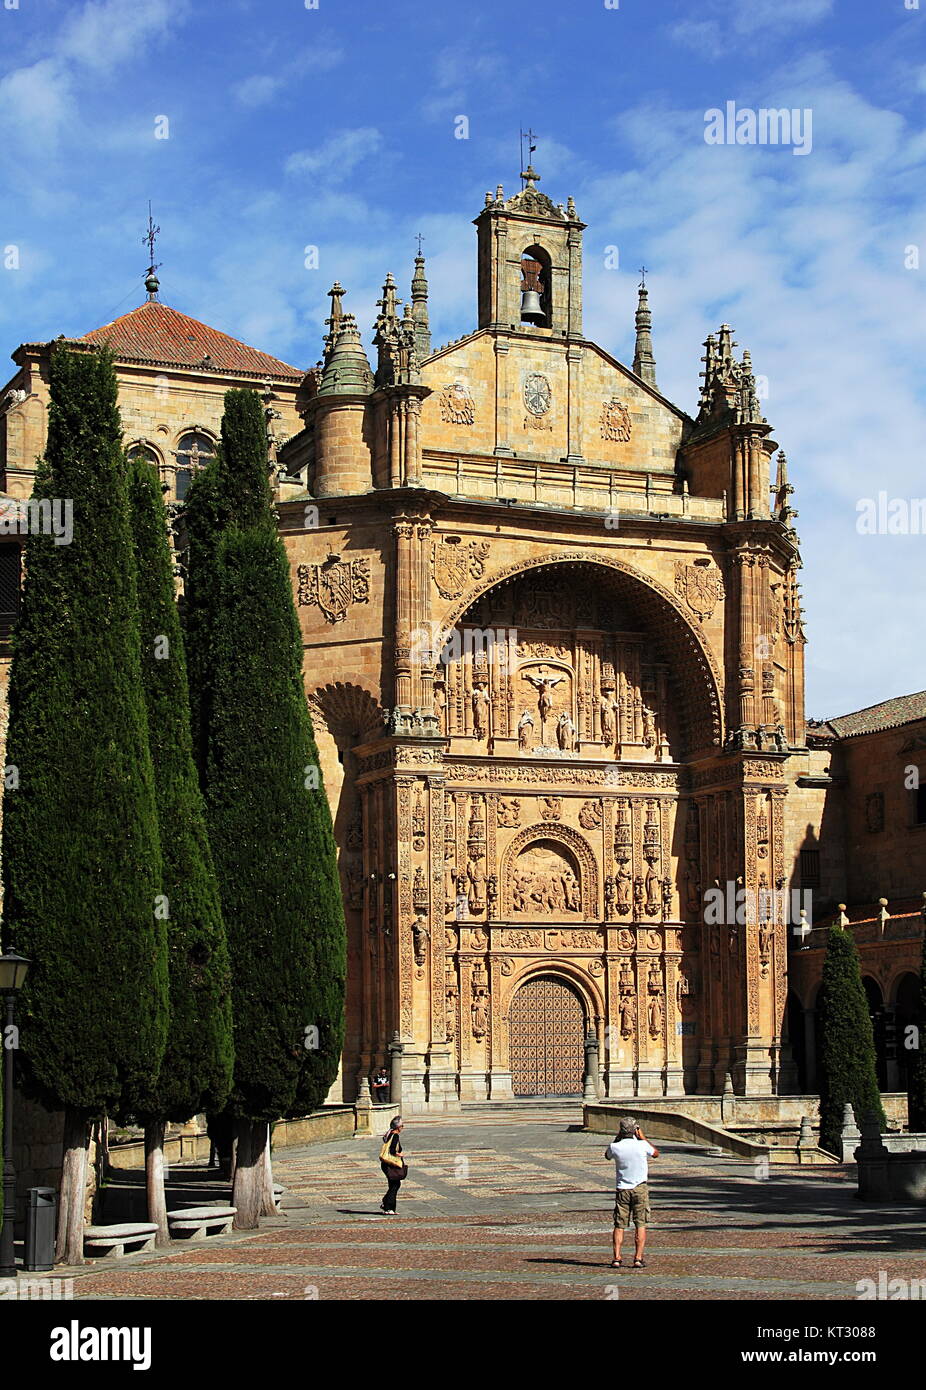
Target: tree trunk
{"x": 154, "y": 1179}
{"x": 267, "y": 1204}
{"x": 247, "y": 1190}
{"x": 69, "y": 1248}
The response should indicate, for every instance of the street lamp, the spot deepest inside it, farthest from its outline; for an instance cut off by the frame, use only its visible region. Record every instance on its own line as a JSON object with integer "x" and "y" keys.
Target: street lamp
{"x": 13, "y": 969}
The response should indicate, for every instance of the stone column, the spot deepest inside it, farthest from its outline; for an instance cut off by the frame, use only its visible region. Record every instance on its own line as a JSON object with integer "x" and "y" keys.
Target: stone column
{"x": 404, "y": 533}
{"x": 574, "y": 420}
{"x": 502, "y": 394}
{"x": 590, "y": 1085}
{"x": 396, "y": 1049}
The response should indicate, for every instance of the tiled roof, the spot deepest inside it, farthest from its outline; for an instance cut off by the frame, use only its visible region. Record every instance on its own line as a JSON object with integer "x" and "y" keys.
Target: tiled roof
{"x": 903, "y": 709}
{"x": 162, "y": 336}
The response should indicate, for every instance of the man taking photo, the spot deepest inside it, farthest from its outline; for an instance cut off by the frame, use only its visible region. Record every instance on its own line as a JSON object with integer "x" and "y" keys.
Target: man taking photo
{"x": 631, "y": 1151}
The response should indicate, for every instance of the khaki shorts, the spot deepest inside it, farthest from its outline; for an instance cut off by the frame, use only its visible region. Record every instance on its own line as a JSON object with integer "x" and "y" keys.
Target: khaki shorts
{"x": 632, "y": 1202}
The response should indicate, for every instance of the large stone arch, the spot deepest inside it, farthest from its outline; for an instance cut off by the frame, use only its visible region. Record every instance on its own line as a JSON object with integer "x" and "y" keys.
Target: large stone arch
{"x": 699, "y": 678}
{"x": 573, "y": 842}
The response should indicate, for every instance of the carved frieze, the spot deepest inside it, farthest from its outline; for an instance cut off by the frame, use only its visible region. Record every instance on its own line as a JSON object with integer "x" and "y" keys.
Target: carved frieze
{"x": 624, "y": 778}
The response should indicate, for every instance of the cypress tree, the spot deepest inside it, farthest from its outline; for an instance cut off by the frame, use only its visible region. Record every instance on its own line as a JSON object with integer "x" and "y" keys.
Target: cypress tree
{"x": 267, "y": 813}
{"x": 847, "y": 1050}
{"x": 197, "y": 1069}
{"x": 81, "y": 857}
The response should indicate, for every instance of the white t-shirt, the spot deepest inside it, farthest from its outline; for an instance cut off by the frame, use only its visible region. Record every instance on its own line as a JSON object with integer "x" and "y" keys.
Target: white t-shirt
{"x": 630, "y": 1157}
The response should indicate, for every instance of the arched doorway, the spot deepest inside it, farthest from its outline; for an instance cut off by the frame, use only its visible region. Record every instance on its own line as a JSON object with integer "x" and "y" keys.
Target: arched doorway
{"x": 547, "y": 1031}
{"x": 797, "y": 1037}
{"x": 907, "y": 1012}
{"x": 876, "y": 1012}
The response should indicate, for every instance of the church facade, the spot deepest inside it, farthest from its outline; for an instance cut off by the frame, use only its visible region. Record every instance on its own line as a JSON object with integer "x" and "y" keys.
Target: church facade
{"x": 563, "y": 623}
{"x": 554, "y": 655}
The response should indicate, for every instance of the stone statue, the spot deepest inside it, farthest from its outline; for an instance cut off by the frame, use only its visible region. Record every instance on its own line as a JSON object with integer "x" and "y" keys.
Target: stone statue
{"x": 653, "y": 890}
{"x": 570, "y": 890}
{"x": 606, "y": 705}
{"x": 480, "y": 702}
{"x": 544, "y": 685}
{"x": 649, "y": 728}
{"x": 480, "y": 1018}
{"x": 623, "y": 886}
{"x": 656, "y": 1014}
{"x": 440, "y": 705}
{"x": 420, "y": 937}
{"x": 525, "y": 724}
{"x": 566, "y": 733}
{"x": 477, "y": 880}
{"x": 627, "y": 1009}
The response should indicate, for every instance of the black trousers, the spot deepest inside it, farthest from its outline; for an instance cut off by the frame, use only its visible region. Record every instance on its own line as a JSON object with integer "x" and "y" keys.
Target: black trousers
{"x": 395, "y": 1182}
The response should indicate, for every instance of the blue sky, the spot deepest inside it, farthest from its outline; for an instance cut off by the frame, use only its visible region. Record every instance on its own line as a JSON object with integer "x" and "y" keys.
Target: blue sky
{"x": 335, "y": 127}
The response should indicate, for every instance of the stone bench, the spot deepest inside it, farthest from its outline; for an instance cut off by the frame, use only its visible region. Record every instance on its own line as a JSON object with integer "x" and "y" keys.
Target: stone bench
{"x": 195, "y": 1223}
{"x": 99, "y": 1239}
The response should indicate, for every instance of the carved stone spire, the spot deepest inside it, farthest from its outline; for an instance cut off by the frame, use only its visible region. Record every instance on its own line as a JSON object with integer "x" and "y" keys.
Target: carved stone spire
{"x": 347, "y": 370}
{"x": 420, "y": 310}
{"x": 335, "y": 294}
{"x": 644, "y": 362}
{"x": 395, "y": 340}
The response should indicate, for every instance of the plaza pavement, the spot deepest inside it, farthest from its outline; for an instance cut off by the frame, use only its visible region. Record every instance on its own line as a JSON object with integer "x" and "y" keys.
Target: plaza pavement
{"x": 519, "y": 1208}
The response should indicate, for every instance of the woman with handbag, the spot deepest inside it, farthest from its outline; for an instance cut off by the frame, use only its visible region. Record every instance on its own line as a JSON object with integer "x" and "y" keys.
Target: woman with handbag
{"x": 392, "y": 1164}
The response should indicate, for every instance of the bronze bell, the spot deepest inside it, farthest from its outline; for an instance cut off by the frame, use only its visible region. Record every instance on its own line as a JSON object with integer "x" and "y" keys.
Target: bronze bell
{"x": 531, "y": 290}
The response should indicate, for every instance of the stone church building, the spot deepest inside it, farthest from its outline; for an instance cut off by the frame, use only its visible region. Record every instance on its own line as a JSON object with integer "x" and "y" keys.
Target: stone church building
{"x": 554, "y": 656}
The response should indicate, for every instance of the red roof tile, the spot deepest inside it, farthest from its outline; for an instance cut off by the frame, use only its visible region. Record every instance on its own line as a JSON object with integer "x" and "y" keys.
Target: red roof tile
{"x": 903, "y": 709}
{"x": 162, "y": 336}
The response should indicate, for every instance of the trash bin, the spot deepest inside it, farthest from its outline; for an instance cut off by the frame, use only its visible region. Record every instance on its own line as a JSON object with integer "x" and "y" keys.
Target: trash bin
{"x": 41, "y": 1210}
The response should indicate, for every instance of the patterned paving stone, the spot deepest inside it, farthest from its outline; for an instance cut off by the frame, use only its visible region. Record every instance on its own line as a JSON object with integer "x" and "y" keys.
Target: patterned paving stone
{"x": 522, "y": 1212}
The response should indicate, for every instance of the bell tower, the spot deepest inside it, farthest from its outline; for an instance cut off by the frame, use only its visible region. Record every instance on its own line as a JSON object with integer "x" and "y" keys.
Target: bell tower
{"x": 530, "y": 263}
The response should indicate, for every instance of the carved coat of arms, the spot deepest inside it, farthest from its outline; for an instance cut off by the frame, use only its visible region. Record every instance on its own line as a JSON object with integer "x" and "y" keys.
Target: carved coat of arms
{"x": 701, "y": 586}
{"x": 454, "y": 564}
{"x": 615, "y": 421}
{"x": 334, "y": 586}
{"x": 538, "y": 393}
{"x": 456, "y": 404}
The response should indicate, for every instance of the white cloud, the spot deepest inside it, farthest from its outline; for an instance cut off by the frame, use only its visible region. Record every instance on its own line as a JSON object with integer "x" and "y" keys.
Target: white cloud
{"x": 105, "y": 33}
{"x": 725, "y": 24}
{"x": 805, "y": 259}
{"x": 262, "y": 88}
{"x": 338, "y": 156}
{"x": 35, "y": 104}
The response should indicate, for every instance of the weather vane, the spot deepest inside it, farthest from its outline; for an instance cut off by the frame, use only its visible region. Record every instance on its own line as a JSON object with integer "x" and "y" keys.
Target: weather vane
{"x": 531, "y": 147}
{"x": 419, "y": 238}
{"x": 642, "y": 277}
{"x": 149, "y": 239}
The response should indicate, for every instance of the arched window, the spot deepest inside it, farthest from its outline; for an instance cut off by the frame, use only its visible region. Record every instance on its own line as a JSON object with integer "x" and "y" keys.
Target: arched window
{"x": 141, "y": 449}
{"x": 193, "y": 450}
{"x": 536, "y": 300}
